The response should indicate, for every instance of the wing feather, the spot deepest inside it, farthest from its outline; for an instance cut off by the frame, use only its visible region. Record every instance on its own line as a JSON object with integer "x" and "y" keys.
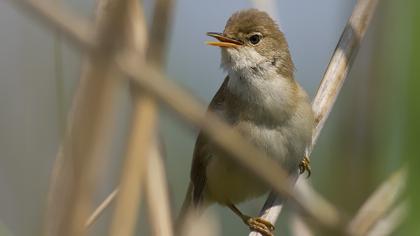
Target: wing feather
{"x": 202, "y": 152}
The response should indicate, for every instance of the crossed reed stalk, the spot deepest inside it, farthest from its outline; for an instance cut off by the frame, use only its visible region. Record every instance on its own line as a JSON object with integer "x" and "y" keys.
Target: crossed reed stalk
{"x": 119, "y": 50}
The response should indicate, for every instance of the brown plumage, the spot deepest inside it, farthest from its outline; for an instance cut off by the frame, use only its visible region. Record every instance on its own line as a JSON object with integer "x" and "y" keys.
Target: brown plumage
{"x": 259, "y": 99}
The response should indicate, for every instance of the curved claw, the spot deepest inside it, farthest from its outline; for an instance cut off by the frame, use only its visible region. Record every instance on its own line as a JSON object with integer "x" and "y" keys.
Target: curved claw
{"x": 304, "y": 165}
{"x": 261, "y": 226}
{"x": 257, "y": 224}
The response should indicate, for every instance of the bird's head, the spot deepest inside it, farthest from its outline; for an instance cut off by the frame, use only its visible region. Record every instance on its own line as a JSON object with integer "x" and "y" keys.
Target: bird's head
{"x": 251, "y": 39}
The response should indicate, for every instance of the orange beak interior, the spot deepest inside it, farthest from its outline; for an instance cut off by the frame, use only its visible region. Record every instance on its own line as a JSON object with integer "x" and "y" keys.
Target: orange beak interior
{"x": 223, "y": 41}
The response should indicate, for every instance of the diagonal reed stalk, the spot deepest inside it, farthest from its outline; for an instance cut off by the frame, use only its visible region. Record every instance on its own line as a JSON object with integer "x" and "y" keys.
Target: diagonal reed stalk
{"x": 378, "y": 204}
{"x": 388, "y": 224}
{"x": 152, "y": 81}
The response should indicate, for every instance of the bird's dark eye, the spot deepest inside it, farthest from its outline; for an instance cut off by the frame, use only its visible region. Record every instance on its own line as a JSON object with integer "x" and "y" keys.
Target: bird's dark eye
{"x": 254, "y": 39}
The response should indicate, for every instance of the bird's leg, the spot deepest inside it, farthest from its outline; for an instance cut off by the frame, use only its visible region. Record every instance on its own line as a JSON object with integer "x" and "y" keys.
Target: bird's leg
{"x": 254, "y": 223}
{"x": 304, "y": 165}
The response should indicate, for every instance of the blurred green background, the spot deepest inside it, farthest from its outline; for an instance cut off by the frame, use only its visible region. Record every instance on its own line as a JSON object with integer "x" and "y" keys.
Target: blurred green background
{"x": 371, "y": 131}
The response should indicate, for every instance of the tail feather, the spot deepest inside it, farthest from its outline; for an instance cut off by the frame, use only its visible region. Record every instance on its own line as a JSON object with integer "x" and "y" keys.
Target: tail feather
{"x": 187, "y": 204}
{"x": 188, "y": 208}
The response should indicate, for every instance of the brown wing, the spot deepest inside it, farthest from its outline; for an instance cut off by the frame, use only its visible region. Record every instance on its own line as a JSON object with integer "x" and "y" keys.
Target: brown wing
{"x": 201, "y": 153}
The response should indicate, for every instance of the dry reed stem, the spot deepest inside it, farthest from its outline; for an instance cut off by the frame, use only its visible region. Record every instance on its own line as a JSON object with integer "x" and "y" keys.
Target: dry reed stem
{"x": 298, "y": 226}
{"x": 132, "y": 173}
{"x": 159, "y": 32}
{"x": 311, "y": 197}
{"x": 157, "y": 195}
{"x": 330, "y": 85}
{"x": 156, "y": 185}
{"x": 98, "y": 211}
{"x": 378, "y": 204}
{"x": 80, "y": 32}
{"x": 269, "y": 6}
{"x": 155, "y": 55}
{"x": 341, "y": 62}
{"x": 388, "y": 224}
{"x": 74, "y": 172}
{"x": 142, "y": 130}
{"x": 193, "y": 112}
{"x": 135, "y": 40}
{"x": 75, "y": 28}
{"x": 141, "y": 143}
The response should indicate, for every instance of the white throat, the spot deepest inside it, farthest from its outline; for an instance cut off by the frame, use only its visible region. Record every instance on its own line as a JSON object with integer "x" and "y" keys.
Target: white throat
{"x": 255, "y": 79}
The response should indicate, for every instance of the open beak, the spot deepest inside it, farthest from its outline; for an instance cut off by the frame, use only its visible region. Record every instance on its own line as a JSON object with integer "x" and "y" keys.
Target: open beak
{"x": 223, "y": 41}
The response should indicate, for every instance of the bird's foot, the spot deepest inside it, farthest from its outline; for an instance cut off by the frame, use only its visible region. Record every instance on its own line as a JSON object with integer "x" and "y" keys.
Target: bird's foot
{"x": 304, "y": 165}
{"x": 260, "y": 225}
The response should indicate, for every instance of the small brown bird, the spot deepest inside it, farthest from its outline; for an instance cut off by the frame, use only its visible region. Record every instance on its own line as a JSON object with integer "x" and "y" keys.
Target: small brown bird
{"x": 260, "y": 99}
